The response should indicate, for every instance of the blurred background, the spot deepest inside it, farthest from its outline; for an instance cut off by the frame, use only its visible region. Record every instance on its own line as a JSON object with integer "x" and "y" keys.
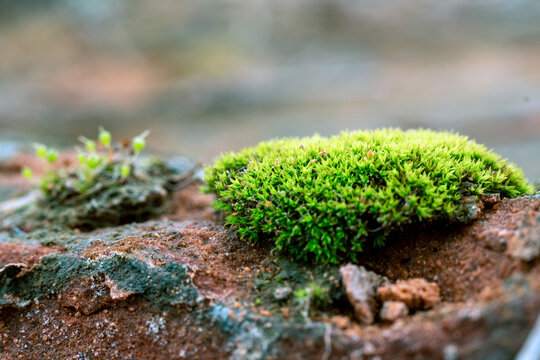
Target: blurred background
{"x": 208, "y": 76}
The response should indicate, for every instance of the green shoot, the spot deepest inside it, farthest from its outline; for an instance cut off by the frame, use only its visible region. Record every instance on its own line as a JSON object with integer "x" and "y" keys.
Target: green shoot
{"x": 104, "y": 137}
{"x": 52, "y": 155}
{"x": 93, "y": 161}
{"x": 125, "y": 170}
{"x": 90, "y": 145}
{"x": 81, "y": 156}
{"x": 27, "y": 173}
{"x": 41, "y": 151}
{"x": 139, "y": 142}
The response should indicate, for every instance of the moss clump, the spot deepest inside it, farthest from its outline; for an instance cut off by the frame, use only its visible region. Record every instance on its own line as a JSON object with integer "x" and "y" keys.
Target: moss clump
{"x": 110, "y": 199}
{"x": 328, "y": 198}
{"x": 111, "y": 185}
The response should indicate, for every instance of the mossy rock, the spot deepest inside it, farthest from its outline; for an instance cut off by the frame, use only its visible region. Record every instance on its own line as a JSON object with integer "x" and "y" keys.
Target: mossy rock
{"x": 110, "y": 199}
{"x": 328, "y": 198}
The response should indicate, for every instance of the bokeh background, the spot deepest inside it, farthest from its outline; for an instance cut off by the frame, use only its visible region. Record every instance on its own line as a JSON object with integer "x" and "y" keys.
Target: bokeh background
{"x": 208, "y": 76}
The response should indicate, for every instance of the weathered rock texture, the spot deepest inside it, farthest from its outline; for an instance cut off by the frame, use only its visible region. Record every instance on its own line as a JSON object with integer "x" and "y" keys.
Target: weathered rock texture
{"x": 417, "y": 294}
{"x": 187, "y": 287}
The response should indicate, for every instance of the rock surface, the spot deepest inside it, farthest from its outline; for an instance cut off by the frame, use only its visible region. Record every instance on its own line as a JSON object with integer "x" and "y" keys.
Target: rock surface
{"x": 183, "y": 286}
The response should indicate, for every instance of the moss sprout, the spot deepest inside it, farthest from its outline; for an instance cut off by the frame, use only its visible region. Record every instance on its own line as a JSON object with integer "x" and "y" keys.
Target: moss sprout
{"x": 41, "y": 151}
{"x": 328, "y": 198}
{"x": 139, "y": 142}
{"x": 27, "y": 173}
{"x": 105, "y": 137}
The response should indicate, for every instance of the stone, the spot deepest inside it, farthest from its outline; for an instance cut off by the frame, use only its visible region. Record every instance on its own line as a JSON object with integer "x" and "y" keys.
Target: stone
{"x": 115, "y": 292}
{"x": 282, "y": 293}
{"x": 360, "y": 285}
{"x": 417, "y": 294}
{"x": 393, "y": 310}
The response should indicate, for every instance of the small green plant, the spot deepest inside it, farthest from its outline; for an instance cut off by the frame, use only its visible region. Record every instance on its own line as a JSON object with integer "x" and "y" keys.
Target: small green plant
{"x": 96, "y": 158}
{"x": 329, "y": 198}
{"x": 315, "y": 292}
{"x": 313, "y": 295}
{"x": 111, "y": 184}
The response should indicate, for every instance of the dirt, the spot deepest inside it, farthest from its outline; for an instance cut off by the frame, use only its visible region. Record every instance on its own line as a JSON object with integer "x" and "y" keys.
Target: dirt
{"x": 191, "y": 204}
{"x": 184, "y": 286}
{"x": 132, "y": 330}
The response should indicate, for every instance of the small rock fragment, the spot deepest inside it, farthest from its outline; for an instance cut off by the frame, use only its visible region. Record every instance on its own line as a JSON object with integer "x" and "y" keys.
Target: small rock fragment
{"x": 416, "y": 293}
{"x": 282, "y": 293}
{"x": 471, "y": 210}
{"x": 360, "y": 285}
{"x": 393, "y": 310}
{"x": 86, "y": 295}
{"x": 490, "y": 199}
{"x": 341, "y": 322}
{"x": 115, "y": 292}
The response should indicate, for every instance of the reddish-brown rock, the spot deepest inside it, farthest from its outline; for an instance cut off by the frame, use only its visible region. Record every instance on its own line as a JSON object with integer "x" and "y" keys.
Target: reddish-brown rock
{"x": 393, "y": 310}
{"x": 417, "y": 294}
{"x": 86, "y": 295}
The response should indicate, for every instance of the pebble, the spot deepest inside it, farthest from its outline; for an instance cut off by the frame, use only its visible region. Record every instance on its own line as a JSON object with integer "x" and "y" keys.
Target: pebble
{"x": 393, "y": 310}
{"x": 360, "y": 285}
{"x": 417, "y": 294}
{"x": 282, "y": 293}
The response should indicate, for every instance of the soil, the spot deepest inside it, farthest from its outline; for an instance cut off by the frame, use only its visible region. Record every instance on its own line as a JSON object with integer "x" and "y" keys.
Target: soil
{"x": 184, "y": 286}
{"x": 132, "y": 330}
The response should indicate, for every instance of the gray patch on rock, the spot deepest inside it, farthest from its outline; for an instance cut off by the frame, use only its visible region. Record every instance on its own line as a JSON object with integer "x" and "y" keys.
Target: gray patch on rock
{"x": 282, "y": 293}
{"x": 471, "y": 209}
{"x": 525, "y": 245}
{"x": 531, "y": 348}
{"x": 451, "y": 352}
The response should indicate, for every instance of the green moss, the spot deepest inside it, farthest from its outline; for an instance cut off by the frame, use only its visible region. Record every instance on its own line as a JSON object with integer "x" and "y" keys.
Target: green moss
{"x": 327, "y": 198}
